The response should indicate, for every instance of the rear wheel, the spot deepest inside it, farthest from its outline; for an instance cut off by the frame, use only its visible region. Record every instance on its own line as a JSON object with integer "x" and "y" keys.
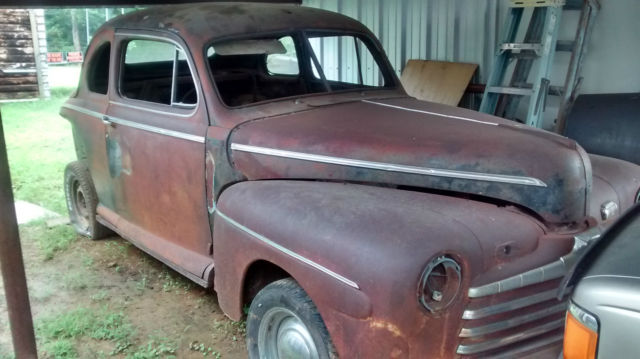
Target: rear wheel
{"x": 284, "y": 323}
{"x": 82, "y": 201}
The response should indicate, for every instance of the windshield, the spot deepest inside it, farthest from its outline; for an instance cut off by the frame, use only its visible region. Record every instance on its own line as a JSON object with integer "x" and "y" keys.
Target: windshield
{"x": 252, "y": 70}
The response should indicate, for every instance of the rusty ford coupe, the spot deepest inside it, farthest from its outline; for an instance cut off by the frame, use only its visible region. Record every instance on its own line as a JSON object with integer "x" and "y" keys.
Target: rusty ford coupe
{"x": 269, "y": 152}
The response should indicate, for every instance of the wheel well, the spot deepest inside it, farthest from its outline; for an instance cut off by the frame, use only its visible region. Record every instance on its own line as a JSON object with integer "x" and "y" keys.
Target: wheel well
{"x": 259, "y": 275}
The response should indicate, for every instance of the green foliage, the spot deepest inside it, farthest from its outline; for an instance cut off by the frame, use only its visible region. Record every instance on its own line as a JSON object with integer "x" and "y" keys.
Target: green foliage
{"x": 155, "y": 348}
{"x": 4, "y": 354}
{"x": 39, "y": 146}
{"x": 57, "y": 332}
{"x": 49, "y": 240}
{"x": 206, "y": 351}
{"x": 59, "y": 28}
{"x": 62, "y": 349}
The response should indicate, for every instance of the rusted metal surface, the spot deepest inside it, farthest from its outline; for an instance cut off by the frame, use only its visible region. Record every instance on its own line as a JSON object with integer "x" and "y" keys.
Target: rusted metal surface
{"x": 366, "y": 189}
{"x": 439, "y": 137}
{"x": 13, "y": 274}
{"x": 331, "y": 224}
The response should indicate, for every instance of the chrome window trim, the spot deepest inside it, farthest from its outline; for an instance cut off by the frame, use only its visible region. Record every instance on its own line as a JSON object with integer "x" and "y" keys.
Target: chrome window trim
{"x": 510, "y": 339}
{"x": 142, "y": 108}
{"x": 287, "y": 251}
{"x": 477, "y": 176}
{"x": 140, "y": 126}
{"x": 430, "y": 113}
{"x": 134, "y": 35}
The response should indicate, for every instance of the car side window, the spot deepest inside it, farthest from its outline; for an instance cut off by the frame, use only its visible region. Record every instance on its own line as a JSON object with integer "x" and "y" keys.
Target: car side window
{"x": 287, "y": 63}
{"x": 98, "y": 69}
{"x": 346, "y": 59}
{"x": 157, "y": 71}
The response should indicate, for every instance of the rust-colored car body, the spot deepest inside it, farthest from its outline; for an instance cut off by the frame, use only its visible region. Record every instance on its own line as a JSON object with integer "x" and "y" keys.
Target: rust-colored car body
{"x": 352, "y": 194}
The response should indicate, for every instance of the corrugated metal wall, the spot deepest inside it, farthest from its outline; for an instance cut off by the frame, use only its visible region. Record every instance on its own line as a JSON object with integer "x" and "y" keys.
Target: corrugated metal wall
{"x": 449, "y": 30}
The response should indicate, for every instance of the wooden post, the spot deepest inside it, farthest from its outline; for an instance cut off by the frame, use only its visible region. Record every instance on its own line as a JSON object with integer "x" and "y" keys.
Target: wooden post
{"x": 12, "y": 266}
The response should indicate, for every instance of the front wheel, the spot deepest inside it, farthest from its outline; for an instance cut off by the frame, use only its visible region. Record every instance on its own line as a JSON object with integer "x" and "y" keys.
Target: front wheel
{"x": 283, "y": 323}
{"x": 82, "y": 201}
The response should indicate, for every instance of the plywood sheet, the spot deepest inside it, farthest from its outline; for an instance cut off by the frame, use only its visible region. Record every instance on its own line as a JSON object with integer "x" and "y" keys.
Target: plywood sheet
{"x": 437, "y": 81}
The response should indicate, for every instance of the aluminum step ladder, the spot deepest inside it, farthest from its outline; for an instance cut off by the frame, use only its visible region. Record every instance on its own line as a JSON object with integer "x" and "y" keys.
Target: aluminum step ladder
{"x": 503, "y": 93}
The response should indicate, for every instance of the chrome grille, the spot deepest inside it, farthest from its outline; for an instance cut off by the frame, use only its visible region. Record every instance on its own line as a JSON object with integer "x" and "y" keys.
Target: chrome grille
{"x": 520, "y": 315}
{"x": 512, "y": 323}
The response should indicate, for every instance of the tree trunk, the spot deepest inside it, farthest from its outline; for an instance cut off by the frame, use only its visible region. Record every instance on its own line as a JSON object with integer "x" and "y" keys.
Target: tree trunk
{"x": 74, "y": 31}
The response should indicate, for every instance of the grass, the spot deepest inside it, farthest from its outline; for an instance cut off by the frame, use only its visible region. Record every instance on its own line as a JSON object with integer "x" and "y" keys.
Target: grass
{"x": 58, "y": 333}
{"x": 49, "y": 240}
{"x": 40, "y": 144}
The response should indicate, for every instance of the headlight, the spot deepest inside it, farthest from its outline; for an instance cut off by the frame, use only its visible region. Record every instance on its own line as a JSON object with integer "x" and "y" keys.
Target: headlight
{"x": 580, "y": 334}
{"x": 439, "y": 284}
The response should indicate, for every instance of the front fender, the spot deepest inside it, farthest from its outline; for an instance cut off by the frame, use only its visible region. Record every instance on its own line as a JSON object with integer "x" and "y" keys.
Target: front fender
{"x": 359, "y": 251}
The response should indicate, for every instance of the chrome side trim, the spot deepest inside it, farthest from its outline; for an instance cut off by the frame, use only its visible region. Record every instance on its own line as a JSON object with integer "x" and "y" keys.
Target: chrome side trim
{"x": 512, "y": 322}
{"x": 477, "y": 176}
{"x": 510, "y": 305}
{"x": 510, "y": 339}
{"x": 547, "y": 272}
{"x": 431, "y": 113}
{"x": 83, "y": 110}
{"x": 158, "y": 130}
{"x": 288, "y": 252}
{"x": 140, "y": 126}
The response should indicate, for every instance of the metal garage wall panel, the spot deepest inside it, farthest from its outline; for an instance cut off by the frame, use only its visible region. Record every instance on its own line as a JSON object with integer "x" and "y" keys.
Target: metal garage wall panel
{"x": 448, "y": 30}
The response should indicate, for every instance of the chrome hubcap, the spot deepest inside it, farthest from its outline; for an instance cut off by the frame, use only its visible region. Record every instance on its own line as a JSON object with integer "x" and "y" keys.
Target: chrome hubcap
{"x": 282, "y": 335}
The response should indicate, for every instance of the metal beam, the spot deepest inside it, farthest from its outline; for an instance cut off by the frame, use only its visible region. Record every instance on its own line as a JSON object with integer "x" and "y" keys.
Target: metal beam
{"x": 12, "y": 265}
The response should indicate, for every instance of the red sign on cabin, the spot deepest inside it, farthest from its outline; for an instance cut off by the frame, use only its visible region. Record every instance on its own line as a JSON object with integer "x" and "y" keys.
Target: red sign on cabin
{"x": 54, "y": 56}
{"x": 74, "y": 56}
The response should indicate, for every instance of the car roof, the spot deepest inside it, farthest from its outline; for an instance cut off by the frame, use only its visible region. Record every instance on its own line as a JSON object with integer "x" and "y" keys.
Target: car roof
{"x": 208, "y": 21}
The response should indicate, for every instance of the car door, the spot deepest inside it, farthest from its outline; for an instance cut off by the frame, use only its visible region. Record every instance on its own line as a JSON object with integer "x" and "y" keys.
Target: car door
{"x": 86, "y": 108}
{"x": 155, "y": 128}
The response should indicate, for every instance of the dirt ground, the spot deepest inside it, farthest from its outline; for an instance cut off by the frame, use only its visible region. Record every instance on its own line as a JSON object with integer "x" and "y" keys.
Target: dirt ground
{"x": 157, "y": 312}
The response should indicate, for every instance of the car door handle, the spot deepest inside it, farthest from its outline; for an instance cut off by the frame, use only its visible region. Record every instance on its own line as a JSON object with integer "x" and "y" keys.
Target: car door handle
{"x": 107, "y": 121}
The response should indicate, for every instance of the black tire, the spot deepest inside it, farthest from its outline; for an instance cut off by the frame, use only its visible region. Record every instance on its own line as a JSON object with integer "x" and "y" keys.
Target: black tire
{"x": 287, "y": 296}
{"x": 82, "y": 201}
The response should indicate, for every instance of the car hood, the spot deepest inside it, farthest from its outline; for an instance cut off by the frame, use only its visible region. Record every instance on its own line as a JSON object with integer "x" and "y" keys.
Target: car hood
{"x": 406, "y": 142}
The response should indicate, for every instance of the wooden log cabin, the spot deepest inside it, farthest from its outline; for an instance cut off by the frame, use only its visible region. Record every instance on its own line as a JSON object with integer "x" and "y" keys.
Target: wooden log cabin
{"x": 23, "y": 50}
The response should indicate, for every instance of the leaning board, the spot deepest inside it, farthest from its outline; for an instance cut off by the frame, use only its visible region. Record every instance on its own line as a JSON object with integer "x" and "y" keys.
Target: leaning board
{"x": 437, "y": 81}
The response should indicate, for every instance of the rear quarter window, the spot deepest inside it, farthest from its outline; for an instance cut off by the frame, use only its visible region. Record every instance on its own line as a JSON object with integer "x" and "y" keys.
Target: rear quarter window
{"x": 98, "y": 69}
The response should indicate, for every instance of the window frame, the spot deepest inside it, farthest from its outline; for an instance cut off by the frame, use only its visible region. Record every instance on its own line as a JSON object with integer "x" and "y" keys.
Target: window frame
{"x": 122, "y": 38}
{"x": 305, "y": 51}
{"x": 368, "y": 43}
